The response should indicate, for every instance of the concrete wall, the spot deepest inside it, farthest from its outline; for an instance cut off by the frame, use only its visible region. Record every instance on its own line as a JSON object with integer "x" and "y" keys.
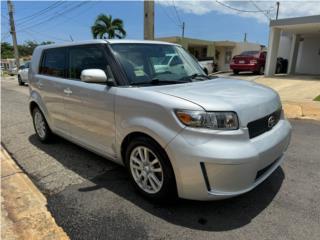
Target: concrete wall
{"x": 308, "y": 61}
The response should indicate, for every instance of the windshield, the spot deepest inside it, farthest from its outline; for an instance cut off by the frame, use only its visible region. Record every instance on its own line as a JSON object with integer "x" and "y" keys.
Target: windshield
{"x": 146, "y": 62}
{"x": 249, "y": 53}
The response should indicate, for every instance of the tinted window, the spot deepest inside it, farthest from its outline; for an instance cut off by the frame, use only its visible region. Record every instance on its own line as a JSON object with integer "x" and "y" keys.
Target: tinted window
{"x": 86, "y": 57}
{"x": 250, "y": 53}
{"x": 53, "y": 62}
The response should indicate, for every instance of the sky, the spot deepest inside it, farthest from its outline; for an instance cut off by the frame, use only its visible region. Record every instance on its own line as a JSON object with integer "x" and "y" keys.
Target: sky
{"x": 63, "y": 21}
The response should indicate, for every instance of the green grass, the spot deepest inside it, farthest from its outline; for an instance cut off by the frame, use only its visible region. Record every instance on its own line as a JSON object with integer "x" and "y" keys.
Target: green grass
{"x": 317, "y": 98}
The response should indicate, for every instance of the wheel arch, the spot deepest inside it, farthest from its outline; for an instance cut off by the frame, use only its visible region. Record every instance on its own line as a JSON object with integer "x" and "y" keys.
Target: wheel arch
{"x": 129, "y": 137}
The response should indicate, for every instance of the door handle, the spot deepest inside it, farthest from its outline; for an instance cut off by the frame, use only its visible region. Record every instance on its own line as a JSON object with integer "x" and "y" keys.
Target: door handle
{"x": 67, "y": 91}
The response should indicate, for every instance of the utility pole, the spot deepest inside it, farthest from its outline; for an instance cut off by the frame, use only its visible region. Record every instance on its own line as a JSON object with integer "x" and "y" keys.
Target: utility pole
{"x": 245, "y": 37}
{"x": 183, "y": 26}
{"x": 13, "y": 33}
{"x": 148, "y": 20}
{"x": 278, "y": 5}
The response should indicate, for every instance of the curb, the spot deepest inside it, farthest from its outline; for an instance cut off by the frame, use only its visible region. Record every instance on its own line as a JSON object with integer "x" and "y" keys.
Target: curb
{"x": 24, "y": 214}
{"x": 302, "y": 110}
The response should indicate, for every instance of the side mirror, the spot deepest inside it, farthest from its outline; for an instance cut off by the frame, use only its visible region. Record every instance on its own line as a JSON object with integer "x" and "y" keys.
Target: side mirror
{"x": 94, "y": 76}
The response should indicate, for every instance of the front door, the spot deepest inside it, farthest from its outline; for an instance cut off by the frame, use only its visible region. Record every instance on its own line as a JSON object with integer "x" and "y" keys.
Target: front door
{"x": 89, "y": 106}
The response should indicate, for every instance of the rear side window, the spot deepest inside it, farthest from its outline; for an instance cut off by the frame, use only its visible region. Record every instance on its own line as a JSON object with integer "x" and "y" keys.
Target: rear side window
{"x": 53, "y": 62}
{"x": 86, "y": 57}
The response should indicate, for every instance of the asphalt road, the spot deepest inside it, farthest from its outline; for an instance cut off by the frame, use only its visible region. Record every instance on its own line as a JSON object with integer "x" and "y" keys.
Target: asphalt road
{"x": 91, "y": 198}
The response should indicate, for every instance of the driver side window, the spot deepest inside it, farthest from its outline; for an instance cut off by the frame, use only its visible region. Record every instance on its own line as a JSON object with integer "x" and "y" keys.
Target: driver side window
{"x": 87, "y": 57}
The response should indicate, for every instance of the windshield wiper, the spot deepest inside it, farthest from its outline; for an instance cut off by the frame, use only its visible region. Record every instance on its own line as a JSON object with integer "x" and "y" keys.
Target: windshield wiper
{"x": 196, "y": 76}
{"x": 156, "y": 81}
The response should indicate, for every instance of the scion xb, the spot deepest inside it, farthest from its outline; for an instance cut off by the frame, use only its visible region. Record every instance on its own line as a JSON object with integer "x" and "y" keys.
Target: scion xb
{"x": 176, "y": 130}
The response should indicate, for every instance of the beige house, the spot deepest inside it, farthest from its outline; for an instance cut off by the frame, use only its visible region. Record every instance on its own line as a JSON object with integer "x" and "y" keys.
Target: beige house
{"x": 222, "y": 51}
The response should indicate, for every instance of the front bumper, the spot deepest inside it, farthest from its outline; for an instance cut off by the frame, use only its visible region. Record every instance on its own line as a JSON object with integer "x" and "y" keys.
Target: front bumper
{"x": 212, "y": 164}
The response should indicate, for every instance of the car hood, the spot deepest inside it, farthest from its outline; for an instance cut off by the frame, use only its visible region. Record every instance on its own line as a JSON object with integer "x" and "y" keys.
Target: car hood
{"x": 249, "y": 100}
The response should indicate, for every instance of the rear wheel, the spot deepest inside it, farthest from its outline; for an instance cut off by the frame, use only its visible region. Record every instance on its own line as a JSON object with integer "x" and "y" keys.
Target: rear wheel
{"x": 205, "y": 70}
{"x": 41, "y": 126}
{"x": 150, "y": 170}
{"x": 236, "y": 72}
{"x": 20, "y": 82}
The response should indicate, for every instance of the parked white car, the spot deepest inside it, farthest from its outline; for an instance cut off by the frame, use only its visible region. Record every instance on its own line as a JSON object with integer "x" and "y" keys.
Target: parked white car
{"x": 23, "y": 73}
{"x": 170, "y": 63}
{"x": 208, "y": 65}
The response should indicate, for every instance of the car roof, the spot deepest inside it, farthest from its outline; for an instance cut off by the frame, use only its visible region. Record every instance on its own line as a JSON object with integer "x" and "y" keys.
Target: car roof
{"x": 103, "y": 41}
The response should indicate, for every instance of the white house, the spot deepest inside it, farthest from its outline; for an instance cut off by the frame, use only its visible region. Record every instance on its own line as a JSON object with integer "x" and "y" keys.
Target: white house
{"x": 298, "y": 40}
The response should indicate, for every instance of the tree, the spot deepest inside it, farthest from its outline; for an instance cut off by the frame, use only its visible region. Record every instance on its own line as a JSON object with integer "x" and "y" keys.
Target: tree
{"x": 105, "y": 25}
{"x": 6, "y": 50}
{"x": 25, "y": 49}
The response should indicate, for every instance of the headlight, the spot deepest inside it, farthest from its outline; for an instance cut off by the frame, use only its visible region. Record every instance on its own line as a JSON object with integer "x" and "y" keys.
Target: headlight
{"x": 212, "y": 120}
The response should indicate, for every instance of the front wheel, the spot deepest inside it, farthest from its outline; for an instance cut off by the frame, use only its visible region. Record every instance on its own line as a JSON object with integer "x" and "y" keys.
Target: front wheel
{"x": 20, "y": 82}
{"x": 150, "y": 170}
{"x": 41, "y": 126}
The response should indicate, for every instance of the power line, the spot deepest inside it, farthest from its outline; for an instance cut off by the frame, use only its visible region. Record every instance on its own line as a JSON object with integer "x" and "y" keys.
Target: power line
{"x": 263, "y": 12}
{"x": 177, "y": 14}
{"x": 57, "y": 15}
{"x": 40, "y": 17}
{"x": 171, "y": 18}
{"x": 41, "y": 12}
{"x": 240, "y": 10}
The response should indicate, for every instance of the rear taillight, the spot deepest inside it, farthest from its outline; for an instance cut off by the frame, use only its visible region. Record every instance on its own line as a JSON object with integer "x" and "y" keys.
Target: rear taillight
{"x": 253, "y": 61}
{"x": 232, "y": 61}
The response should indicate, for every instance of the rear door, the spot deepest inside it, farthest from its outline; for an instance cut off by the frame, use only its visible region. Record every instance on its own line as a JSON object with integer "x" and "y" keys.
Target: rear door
{"x": 90, "y": 106}
{"x": 50, "y": 83}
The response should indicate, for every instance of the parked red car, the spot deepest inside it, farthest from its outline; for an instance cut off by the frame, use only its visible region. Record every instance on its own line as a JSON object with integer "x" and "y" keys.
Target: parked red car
{"x": 252, "y": 61}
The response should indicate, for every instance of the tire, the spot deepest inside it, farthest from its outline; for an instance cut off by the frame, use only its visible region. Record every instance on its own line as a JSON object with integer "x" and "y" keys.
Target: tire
{"x": 235, "y": 72}
{"x": 205, "y": 70}
{"x": 163, "y": 190}
{"x": 20, "y": 82}
{"x": 41, "y": 126}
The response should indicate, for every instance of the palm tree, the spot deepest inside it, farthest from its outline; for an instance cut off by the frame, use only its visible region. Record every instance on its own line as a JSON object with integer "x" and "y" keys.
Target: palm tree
{"x": 105, "y": 25}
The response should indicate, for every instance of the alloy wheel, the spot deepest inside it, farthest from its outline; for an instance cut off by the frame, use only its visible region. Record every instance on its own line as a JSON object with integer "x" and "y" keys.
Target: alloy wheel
{"x": 146, "y": 169}
{"x": 40, "y": 124}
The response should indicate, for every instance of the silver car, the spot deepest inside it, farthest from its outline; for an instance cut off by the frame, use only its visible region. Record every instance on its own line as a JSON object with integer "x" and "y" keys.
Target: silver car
{"x": 177, "y": 131}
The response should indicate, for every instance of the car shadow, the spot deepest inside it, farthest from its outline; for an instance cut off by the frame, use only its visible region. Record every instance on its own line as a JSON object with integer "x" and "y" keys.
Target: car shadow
{"x": 209, "y": 216}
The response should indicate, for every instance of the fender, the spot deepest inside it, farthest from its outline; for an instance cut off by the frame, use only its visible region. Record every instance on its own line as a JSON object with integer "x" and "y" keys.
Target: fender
{"x": 36, "y": 98}
{"x": 159, "y": 132}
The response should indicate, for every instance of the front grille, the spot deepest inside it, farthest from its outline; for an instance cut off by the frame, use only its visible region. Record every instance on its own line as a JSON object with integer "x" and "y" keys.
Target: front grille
{"x": 264, "y": 124}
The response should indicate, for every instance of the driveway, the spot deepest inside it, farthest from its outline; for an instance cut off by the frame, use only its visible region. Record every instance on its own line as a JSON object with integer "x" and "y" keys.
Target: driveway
{"x": 91, "y": 198}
